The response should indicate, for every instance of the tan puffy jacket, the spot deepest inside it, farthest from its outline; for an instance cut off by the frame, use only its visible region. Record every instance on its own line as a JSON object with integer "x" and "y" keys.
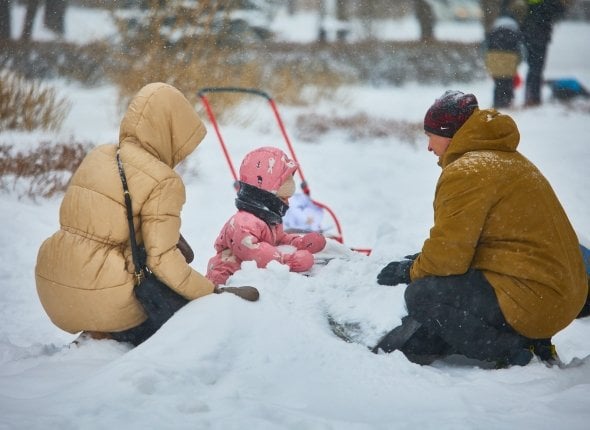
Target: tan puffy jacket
{"x": 494, "y": 211}
{"x": 84, "y": 271}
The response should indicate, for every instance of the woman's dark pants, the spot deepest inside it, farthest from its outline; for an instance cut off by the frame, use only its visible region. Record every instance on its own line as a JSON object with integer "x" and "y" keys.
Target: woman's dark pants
{"x": 159, "y": 303}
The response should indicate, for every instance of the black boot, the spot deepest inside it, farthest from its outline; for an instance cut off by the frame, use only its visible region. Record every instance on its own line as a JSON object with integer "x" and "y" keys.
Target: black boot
{"x": 545, "y": 350}
{"x": 398, "y": 337}
{"x": 585, "y": 312}
{"x": 519, "y": 357}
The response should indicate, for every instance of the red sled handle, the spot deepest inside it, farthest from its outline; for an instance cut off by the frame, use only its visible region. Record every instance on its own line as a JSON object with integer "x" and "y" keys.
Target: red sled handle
{"x": 201, "y": 93}
{"x": 253, "y": 91}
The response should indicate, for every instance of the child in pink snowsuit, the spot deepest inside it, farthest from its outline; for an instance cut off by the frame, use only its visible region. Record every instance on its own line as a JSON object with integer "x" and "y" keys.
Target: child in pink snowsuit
{"x": 255, "y": 232}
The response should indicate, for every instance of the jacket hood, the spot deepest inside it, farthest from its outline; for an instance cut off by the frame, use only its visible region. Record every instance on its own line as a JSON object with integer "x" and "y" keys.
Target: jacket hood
{"x": 163, "y": 122}
{"x": 485, "y": 130}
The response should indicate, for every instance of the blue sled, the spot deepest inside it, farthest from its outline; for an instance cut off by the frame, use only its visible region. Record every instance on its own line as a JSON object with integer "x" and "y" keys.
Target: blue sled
{"x": 567, "y": 88}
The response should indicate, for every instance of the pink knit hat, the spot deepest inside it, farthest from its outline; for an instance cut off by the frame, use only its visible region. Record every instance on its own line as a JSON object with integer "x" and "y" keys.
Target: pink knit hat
{"x": 266, "y": 168}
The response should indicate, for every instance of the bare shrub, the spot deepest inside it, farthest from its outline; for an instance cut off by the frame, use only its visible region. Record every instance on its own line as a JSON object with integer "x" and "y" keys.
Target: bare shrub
{"x": 192, "y": 51}
{"x": 28, "y": 105}
{"x": 357, "y": 127}
{"x": 57, "y": 59}
{"x": 185, "y": 52}
{"x": 44, "y": 170}
{"x": 289, "y": 78}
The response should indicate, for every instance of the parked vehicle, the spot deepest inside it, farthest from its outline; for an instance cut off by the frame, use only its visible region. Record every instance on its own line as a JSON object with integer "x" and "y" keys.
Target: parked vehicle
{"x": 248, "y": 21}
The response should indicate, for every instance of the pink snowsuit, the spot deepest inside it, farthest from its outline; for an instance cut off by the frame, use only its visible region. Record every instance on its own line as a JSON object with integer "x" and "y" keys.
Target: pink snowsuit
{"x": 246, "y": 237}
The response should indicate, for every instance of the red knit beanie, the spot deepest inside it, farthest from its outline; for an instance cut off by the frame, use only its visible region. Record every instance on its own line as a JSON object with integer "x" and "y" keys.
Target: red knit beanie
{"x": 449, "y": 112}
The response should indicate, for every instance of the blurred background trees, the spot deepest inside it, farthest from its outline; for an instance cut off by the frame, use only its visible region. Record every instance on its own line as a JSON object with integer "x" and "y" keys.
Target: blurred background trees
{"x": 194, "y": 43}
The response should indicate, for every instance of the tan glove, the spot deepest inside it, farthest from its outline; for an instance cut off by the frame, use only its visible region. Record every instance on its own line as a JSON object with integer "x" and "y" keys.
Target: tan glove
{"x": 247, "y": 293}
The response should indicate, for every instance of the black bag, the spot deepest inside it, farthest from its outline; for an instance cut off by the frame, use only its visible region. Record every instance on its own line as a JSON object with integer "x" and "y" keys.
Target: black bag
{"x": 158, "y": 300}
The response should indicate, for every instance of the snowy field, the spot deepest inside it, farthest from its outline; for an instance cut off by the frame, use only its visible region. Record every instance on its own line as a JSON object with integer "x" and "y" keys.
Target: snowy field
{"x": 223, "y": 363}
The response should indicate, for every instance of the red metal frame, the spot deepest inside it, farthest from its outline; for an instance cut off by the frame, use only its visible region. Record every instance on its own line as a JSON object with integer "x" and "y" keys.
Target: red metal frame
{"x": 304, "y": 185}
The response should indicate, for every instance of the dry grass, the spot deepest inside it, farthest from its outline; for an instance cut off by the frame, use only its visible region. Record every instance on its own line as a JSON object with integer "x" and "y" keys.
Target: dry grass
{"x": 290, "y": 78}
{"x": 358, "y": 127}
{"x": 149, "y": 55}
{"x": 43, "y": 171}
{"x": 28, "y": 105}
{"x": 210, "y": 58}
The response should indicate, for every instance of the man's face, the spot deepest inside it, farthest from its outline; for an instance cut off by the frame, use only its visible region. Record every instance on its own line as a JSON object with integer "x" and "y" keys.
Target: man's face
{"x": 438, "y": 144}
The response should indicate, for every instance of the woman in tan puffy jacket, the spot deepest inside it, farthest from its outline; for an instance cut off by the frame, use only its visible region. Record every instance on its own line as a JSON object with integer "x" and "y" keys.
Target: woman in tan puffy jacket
{"x": 85, "y": 272}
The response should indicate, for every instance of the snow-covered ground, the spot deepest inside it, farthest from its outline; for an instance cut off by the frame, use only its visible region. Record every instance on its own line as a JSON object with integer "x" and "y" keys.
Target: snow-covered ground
{"x": 223, "y": 363}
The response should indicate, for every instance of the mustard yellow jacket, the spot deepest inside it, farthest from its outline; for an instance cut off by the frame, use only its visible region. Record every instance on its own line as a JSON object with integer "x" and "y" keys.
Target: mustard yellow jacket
{"x": 494, "y": 211}
{"x": 84, "y": 272}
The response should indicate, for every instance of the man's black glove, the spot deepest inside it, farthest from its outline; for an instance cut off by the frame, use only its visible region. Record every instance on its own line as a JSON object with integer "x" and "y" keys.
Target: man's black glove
{"x": 396, "y": 272}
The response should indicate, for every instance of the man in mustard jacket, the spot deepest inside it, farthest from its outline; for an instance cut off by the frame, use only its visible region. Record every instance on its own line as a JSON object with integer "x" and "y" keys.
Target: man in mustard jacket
{"x": 501, "y": 271}
{"x": 85, "y": 272}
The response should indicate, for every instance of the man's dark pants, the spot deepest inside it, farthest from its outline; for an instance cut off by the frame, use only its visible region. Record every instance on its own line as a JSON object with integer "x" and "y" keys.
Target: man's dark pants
{"x": 456, "y": 315}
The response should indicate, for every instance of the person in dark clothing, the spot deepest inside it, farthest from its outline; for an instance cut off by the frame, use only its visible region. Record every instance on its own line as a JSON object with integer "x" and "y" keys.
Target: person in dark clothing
{"x": 537, "y": 28}
{"x": 502, "y": 271}
{"x": 491, "y": 10}
{"x": 503, "y": 47}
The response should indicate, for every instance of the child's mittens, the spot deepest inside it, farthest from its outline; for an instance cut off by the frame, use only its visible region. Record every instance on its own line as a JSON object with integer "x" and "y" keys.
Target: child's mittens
{"x": 299, "y": 261}
{"x": 312, "y": 242}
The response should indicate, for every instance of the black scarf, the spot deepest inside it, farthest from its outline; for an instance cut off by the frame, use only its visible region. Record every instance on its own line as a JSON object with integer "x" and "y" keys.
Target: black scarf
{"x": 261, "y": 203}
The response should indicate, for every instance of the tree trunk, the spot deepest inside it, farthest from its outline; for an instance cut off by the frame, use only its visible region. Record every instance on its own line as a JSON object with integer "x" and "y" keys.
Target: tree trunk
{"x": 368, "y": 11}
{"x": 32, "y": 6}
{"x": 291, "y": 7}
{"x": 5, "y": 28}
{"x": 342, "y": 17}
{"x": 490, "y": 10}
{"x": 322, "y": 35}
{"x": 55, "y": 11}
{"x": 341, "y": 11}
{"x": 425, "y": 18}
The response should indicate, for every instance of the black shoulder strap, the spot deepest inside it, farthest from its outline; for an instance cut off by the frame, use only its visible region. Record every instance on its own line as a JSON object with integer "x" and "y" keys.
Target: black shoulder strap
{"x": 134, "y": 248}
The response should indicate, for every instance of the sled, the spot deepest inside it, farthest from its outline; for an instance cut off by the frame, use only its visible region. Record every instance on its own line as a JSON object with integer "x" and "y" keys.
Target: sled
{"x": 306, "y": 202}
{"x": 567, "y": 88}
{"x": 586, "y": 257}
